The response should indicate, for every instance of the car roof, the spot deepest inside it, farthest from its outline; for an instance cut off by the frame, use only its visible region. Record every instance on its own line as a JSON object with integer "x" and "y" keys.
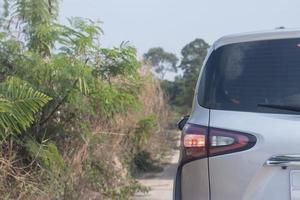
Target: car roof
{"x": 257, "y": 36}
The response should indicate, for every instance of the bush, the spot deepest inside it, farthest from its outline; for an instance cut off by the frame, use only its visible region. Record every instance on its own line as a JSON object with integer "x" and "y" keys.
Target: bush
{"x": 83, "y": 112}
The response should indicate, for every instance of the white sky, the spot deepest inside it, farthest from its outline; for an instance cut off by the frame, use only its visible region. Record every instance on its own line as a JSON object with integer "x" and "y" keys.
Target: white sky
{"x": 173, "y": 23}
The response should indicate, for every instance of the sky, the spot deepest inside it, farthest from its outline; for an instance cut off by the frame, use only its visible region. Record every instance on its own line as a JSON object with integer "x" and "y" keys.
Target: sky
{"x": 172, "y": 24}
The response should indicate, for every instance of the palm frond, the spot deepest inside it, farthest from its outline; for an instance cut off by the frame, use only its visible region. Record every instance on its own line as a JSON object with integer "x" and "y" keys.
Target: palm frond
{"x": 18, "y": 105}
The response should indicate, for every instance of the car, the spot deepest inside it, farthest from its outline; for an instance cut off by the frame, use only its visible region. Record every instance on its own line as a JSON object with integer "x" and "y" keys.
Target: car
{"x": 242, "y": 138}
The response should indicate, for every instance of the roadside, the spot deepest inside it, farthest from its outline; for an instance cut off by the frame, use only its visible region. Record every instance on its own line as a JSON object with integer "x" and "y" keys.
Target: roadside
{"x": 160, "y": 184}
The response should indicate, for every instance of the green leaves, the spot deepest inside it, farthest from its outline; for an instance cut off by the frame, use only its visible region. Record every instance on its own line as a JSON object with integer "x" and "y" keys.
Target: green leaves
{"x": 146, "y": 127}
{"x": 92, "y": 88}
{"x": 162, "y": 61}
{"x": 120, "y": 61}
{"x": 36, "y": 18}
{"x": 181, "y": 90}
{"x": 18, "y": 104}
{"x": 47, "y": 153}
{"x": 193, "y": 55}
{"x": 112, "y": 99}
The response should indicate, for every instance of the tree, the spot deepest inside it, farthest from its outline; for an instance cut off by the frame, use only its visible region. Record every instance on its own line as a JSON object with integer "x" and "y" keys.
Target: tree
{"x": 90, "y": 87}
{"x": 162, "y": 61}
{"x": 181, "y": 90}
{"x": 193, "y": 55}
{"x": 36, "y": 20}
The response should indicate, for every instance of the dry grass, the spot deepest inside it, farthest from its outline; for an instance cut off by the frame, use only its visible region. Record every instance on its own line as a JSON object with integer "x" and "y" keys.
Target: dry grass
{"x": 97, "y": 165}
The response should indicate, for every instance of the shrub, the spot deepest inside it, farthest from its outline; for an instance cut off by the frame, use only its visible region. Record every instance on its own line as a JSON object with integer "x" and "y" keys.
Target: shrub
{"x": 77, "y": 136}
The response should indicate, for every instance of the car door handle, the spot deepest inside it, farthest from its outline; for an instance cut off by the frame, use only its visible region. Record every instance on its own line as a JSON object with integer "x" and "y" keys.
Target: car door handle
{"x": 284, "y": 161}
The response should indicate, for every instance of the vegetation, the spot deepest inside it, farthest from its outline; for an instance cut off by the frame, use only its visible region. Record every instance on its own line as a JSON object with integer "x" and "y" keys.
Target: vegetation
{"x": 181, "y": 90}
{"x": 162, "y": 61}
{"x": 74, "y": 117}
{"x": 18, "y": 104}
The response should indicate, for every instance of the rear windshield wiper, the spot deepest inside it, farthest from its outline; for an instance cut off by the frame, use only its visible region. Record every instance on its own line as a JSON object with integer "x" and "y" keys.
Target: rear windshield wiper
{"x": 281, "y": 107}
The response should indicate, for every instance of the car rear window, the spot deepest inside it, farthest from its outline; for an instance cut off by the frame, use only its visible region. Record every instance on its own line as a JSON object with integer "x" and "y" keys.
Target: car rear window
{"x": 240, "y": 76}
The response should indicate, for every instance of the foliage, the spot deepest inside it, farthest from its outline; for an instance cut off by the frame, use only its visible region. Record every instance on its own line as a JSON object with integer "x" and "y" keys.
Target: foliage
{"x": 181, "y": 91}
{"x": 35, "y": 18}
{"x": 140, "y": 159}
{"x": 143, "y": 162}
{"x": 62, "y": 97}
{"x": 145, "y": 128}
{"x": 162, "y": 61}
{"x": 47, "y": 154}
{"x": 18, "y": 104}
{"x": 193, "y": 55}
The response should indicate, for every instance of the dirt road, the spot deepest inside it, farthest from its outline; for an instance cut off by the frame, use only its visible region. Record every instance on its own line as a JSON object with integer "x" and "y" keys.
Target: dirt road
{"x": 161, "y": 184}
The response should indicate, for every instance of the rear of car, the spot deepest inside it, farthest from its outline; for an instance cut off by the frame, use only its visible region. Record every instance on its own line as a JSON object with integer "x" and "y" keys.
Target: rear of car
{"x": 242, "y": 140}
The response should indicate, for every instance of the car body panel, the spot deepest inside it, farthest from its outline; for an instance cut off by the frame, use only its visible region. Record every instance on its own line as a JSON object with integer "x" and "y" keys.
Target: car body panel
{"x": 195, "y": 186}
{"x": 243, "y": 175}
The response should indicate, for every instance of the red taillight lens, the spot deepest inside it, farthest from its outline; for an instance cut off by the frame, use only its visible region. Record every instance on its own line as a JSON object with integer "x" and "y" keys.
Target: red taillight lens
{"x": 197, "y": 144}
{"x": 225, "y": 141}
{"x": 194, "y": 142}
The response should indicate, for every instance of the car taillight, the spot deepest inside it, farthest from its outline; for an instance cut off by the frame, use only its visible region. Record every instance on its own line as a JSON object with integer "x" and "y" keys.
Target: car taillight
{"x": 199, "y": 143}
{"x": 226, "y": 141}
{"x": 194, "y": 142}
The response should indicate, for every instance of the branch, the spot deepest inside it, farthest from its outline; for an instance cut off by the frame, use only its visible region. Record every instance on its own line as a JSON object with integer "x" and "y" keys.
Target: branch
{"x": 59, "y": 104}
{"x": 50, "y": 7}
{"x": 63, "y": 99}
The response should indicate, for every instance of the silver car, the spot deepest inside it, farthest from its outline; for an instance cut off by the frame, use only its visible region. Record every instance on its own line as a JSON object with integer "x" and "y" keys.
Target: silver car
{"x": 242, "y": 139}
